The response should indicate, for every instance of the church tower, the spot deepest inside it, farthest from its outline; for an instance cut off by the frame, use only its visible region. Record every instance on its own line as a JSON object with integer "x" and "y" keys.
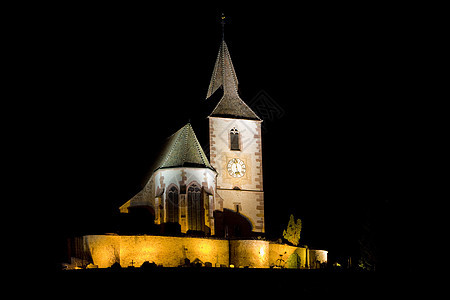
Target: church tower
{"x": 235, "y": 152}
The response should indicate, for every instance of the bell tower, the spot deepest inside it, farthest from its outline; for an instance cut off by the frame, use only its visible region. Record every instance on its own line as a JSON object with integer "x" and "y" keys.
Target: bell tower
{"x": 235, "y": 148}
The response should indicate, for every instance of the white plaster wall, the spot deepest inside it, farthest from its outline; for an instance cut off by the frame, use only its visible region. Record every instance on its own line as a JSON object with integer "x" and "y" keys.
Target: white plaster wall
{"x": 175, "y": 176}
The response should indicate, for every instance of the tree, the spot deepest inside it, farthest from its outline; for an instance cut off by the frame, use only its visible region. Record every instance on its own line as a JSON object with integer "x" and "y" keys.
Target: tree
{"x": 292, "y": 232}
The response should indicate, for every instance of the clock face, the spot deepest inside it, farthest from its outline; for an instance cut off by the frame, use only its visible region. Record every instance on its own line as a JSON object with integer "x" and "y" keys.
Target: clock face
{"x": 236, "y": 167}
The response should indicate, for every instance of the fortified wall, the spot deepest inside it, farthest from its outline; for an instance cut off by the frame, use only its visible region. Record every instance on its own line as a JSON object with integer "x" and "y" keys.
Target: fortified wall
{"x": 133, "y": 250}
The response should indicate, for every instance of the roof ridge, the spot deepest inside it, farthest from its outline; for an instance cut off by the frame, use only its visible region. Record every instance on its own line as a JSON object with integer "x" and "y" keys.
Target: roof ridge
{"x": 171, "y": 148}
{"x": 185, "y": 132}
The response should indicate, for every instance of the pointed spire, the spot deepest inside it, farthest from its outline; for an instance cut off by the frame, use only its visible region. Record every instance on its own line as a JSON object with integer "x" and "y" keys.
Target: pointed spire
{"x": 224, "y": 75}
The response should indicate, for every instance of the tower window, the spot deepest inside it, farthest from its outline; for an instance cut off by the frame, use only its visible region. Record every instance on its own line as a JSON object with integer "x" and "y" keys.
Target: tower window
{"x": 234, "y": 139}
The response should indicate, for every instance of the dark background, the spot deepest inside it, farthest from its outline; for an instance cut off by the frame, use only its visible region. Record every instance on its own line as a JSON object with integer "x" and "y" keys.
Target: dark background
{"x": 115, "y": 81}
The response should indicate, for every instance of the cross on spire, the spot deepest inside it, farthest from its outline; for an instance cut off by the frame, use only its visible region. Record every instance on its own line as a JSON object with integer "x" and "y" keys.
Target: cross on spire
{"x": 223, "y": 25}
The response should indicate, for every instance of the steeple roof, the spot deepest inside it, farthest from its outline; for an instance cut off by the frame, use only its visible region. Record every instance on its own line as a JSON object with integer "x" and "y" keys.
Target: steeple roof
{"x": 182, "y": 149}
{"x": 231, "y": 105}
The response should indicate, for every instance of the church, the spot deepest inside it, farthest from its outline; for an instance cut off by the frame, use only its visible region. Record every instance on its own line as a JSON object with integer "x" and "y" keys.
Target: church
{"x": 222, "y": 196}
{"x": 215, "y": 206}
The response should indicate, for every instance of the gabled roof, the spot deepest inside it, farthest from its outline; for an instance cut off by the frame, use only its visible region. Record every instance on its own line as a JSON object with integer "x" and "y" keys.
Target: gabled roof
{"x": 231, "y": 105}
{"x": 182, "y": 149}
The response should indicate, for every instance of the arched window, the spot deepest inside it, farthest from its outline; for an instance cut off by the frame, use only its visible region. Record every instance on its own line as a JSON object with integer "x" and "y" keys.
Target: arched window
{"x": 195, "y": 208}
{"x": 172, "y": 205}
{"x": 234, "y": 139}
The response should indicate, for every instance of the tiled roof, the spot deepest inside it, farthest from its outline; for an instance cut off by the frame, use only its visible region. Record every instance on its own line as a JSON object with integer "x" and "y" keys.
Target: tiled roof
{"x": 233, "y": 107}
{"x": 182, "y": 149}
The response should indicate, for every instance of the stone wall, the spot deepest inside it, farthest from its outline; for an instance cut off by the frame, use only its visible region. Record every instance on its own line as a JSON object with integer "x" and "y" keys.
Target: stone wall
{"x": 104, "y": 250}
{"x": 249, "y": 253}
{"x": 282, "y": 255}
{"x": 171, "y": 251}
{"x": 317, "y": 258}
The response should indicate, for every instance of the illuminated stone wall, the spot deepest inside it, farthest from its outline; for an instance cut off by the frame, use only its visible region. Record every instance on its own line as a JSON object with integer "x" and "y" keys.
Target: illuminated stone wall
{"x": 104, "y": 250}
{"x": 171, "y": 251}
{"x": 317, "y": 257}
{"x": 252, "y": 253}
{"x": 288, "y": 255}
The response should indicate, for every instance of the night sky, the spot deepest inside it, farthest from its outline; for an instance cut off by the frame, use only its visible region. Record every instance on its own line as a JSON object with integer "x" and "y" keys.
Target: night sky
{"x": 122, "y": 79}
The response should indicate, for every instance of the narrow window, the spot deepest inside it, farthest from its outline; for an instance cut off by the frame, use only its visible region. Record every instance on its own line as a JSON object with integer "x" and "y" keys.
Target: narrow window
{"x": 172, "y": 205}
{"x": 237, "y": 207}
{"x": 234, "y": 139}
{"x": 195, "y": 208}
